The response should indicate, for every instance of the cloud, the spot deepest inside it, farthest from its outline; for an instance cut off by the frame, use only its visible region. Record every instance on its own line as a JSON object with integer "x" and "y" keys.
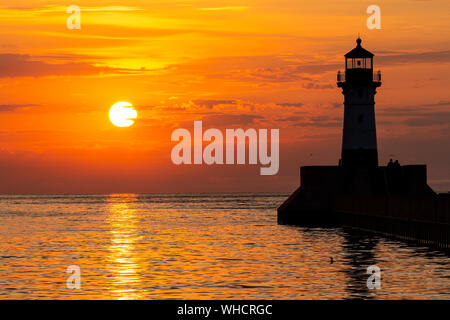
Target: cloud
{"x": 336, "y": 104}
{"x": 113, "y": 9}
{"x": 316, "y": 85}
{"x": 419, "y": 109}
{"x": 438, "y": 104}
{"x": 278, "y": 74}
{"x": 421, "y": 115}
{"x": 437, "y": 118}
{"x": 318, "y": 121}
{"x": 172, "y": 109}
{"x": 290, "y": 104}
{"x": 297, "y": 67}
{"x": 212, "y": 103}
{"x": 59, "y": 9}
{"x": 231, "y": 8}
{"x": 20, "y": 65}
{"x": 220, "y": 120}
{"x": 15, "y": 107}
{"x": 291, "y": 118}
{"x": 423, "y": 57}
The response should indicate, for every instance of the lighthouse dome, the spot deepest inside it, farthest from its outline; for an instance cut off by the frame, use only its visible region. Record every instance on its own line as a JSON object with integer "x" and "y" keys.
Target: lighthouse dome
{"x": 358, "y": 51}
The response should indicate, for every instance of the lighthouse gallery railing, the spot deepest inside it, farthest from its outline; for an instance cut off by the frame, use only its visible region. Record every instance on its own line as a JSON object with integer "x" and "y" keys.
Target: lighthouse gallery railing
{"x": 341, "y": 76}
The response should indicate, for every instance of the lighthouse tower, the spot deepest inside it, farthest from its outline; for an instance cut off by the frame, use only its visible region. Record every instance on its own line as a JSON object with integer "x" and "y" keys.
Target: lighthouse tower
{"x": 359, "y": 83}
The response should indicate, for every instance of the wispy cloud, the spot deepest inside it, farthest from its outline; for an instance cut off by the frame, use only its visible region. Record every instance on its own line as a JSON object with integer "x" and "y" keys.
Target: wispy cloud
{"x": 212, "y": 103}
{"x": 15, "y": 107}
{"x": 414, "y": 57}
{"x": 291, "y": 104}
{"x": 59, "y": 9}
{"x": 19, "y": 65}
{"x": 437, "y": 118}
{"x": 421, "y": 115}
{"x": 231, "y": 8}
{"x": 223, "y": 120}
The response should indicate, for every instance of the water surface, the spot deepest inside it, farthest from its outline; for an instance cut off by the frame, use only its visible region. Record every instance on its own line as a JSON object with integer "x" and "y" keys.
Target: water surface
{"x": 207, "y": 246}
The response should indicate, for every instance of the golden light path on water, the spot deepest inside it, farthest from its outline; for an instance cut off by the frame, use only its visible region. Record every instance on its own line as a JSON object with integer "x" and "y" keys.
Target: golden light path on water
{"x": 210, "y": 246}
{"x": 124, "y": 261}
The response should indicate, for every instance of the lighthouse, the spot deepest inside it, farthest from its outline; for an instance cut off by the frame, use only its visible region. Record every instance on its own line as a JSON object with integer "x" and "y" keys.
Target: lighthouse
{"x": 359, "y": 83}
{"x": 393, "y": 199}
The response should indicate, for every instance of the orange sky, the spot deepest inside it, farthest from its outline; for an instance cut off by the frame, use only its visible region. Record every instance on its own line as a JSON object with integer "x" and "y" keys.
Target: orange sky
{"x": 249, "y": 64}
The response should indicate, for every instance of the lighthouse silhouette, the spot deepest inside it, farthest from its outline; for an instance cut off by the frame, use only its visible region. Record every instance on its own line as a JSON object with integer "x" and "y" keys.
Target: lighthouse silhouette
{"x": 358, "y": 190}
{"x": 359, "y": 139}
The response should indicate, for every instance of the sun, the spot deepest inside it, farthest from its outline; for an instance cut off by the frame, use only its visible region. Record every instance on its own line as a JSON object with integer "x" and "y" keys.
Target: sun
{"x": 121, "y": 114}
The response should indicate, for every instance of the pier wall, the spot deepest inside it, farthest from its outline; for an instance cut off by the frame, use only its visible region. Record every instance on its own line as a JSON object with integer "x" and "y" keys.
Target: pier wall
{"x": 395, "y": 201}
{"x": 422, "y": 219}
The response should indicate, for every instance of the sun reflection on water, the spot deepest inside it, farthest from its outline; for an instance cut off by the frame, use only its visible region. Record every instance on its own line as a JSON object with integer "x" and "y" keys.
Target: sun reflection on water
{"x": 124, "y": 262}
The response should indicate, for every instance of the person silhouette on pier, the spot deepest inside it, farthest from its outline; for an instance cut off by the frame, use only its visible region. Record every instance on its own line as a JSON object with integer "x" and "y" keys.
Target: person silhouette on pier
{"x": 390, "y": 163}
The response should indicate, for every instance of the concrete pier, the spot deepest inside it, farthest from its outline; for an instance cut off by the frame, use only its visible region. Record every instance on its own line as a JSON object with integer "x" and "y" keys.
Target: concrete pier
{"x": 424, "y": 219}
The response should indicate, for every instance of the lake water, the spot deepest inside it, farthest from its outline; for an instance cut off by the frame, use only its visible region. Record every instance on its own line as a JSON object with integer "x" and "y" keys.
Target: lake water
{"x": 207, "y": 246}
